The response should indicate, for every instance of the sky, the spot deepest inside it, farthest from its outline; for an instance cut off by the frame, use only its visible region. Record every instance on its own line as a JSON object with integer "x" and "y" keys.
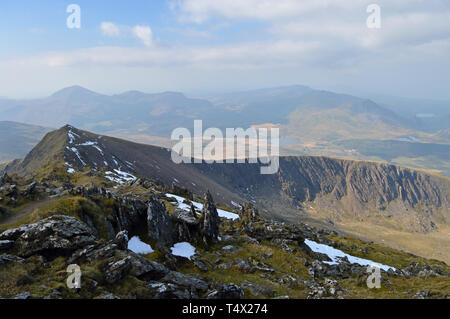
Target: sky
{"x": 213, "y": 46}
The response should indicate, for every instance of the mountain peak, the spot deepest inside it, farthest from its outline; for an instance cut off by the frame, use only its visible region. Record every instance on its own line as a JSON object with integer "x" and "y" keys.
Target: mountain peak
{"x": 74, "y": 91}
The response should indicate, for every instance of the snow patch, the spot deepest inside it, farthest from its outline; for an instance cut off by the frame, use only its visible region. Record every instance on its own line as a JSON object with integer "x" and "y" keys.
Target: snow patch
{"x": 137, "y": 246}
{"x": 336, "y": 255}
{"x": 183, "y": 250}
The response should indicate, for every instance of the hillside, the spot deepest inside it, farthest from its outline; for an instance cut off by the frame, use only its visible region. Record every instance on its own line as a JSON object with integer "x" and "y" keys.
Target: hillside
{"x": 17, "y": 139}
{"x": 332, "y": 193}
{"x": 139, "y": 238}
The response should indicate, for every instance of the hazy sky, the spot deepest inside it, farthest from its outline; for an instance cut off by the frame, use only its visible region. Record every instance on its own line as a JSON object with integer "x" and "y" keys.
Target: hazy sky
{"x": 202, "y": 46}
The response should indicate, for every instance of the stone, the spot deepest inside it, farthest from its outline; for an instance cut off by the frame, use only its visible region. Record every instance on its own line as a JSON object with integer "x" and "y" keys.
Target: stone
{"x": 6, "y": 259}
{"x": 257, "y": 290}
{"x": 226, "y": 292}
{"x": 121, "y": 240}
{"x": 117, "y": 270}
{"x": 187, "y": 281}
{"x": 159, "y": 224}
{"x": 209, "y": 220}
{"x": 58, "y": 233}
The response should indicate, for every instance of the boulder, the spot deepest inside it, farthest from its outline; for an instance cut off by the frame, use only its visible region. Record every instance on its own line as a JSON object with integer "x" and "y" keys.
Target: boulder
{"x": 160, "y": 290}
{"x": 121, "y": 240}
{"x": 226, "y": 292}
{"x": 187, "y": 281}
{"x": 117, "y": 270}
{"x": 57, "y": 234}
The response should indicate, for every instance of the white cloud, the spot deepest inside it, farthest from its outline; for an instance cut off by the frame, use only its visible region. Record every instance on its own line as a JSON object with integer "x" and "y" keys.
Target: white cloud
{"x": 199, "y": 11}
{"x": 109, "y": 29}
{"x": 144, "y": 33}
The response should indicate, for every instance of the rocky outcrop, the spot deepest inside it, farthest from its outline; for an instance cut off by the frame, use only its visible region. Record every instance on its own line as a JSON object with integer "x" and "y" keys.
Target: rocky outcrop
{"x": 56, "y": 235}
{"x": 209, "y": 220}
{"x": 160, "y": 227}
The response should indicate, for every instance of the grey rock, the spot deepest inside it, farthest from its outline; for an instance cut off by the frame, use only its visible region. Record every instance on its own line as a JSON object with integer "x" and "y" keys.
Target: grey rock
{"x": 226, "y": 292}
{"x": 121, "y": 240}
{"x": 257, "y": 290}
{"x": 160, "y": 227}
{"x": 161, "y": 290}
{"x": 116, "y": 271}
{"x": 210, "y": 220}
{"x": 6, "y": 259}
{"x": 57, "y": 233}
{"x": 187, "y": 281}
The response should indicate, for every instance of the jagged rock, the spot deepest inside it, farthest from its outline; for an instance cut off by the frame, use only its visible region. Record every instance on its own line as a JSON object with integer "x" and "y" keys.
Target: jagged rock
{"x": 117, "y": 270}
{"x": 227, "y": 292}
{"x": 6, "y": 244}
{"x": 121, "y": 240}
{"x": 248, "y": 216}
{"x": 257, "y": 290}
{"x": 147, "y": 269}
{"x": 187, "y": 226}
{"x": 170, "y": 291}
{"x": 57, "y": 233}
{"x": 186, "y": 217}
{"x": 6, "y": 259}
{"x": 160, "y": 227}
{"x": 13, "y": 234}
{"x": 210, "y": 220}
{"x": 187, "y": 281}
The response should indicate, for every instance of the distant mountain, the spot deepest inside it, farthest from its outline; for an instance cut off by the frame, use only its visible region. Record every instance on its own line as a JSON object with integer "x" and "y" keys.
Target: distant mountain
{"x": 158, "y": 114}
{"x": 17, "y": 139}
{"x": 314, "y": 122}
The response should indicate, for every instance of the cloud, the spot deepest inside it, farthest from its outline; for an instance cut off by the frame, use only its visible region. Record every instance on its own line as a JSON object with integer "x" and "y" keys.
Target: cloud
{"x": 109, "y": 29}
{"x": 144, "y": 33}
{"x": 200, "y": 11}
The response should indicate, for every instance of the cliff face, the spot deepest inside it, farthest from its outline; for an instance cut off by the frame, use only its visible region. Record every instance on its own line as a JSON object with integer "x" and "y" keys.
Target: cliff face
{"x": 347, "y": 185}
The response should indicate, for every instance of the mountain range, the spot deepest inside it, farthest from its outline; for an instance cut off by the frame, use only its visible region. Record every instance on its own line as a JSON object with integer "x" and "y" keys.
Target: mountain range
{"x": 311, "y": 122}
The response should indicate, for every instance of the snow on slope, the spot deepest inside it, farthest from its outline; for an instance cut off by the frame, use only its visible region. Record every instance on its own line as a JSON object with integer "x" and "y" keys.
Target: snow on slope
{"x": 336, "y": 256}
